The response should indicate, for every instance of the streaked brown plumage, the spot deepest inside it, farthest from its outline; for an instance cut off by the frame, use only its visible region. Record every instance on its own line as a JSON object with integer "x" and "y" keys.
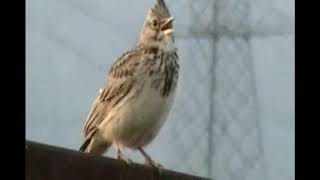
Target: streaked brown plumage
{"x": 138, "y": 93}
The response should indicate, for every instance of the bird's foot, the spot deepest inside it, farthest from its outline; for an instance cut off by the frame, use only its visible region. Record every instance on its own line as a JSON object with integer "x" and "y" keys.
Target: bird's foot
{"x": 152, "y": 163}
{"x": 121, "y": 157}
{"x": 149, "y": 161}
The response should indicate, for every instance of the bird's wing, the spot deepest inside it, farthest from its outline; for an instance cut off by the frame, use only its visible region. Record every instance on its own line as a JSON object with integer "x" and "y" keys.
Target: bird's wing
{"x": 118, "y": 84}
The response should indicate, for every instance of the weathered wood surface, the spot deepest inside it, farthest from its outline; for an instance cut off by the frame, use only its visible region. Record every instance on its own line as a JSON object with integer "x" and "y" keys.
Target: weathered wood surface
{"x": 45, "y": 162}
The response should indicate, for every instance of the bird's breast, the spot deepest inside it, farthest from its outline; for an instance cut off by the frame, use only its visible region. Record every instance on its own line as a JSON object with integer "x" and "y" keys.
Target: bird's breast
{"x": 143, "y": 117}
{"x": 150, "y": 103}
{"x": 139, "y": 120}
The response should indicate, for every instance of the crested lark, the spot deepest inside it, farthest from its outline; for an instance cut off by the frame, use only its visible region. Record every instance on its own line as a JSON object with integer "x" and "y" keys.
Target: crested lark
{"x": 138, "y": 93}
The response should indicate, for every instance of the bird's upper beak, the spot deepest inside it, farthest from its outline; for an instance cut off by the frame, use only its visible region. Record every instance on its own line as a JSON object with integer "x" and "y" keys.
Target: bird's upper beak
{"x": 167, "y": 27}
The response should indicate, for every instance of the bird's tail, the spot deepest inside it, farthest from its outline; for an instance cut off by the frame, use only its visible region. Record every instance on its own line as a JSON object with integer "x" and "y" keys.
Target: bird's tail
{"x": 84, "y": 145}
{"x": 92, "y": 146}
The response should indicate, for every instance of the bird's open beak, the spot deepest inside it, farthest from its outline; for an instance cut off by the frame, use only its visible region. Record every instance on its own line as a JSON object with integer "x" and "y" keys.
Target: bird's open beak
{"x": 167, "y": 27}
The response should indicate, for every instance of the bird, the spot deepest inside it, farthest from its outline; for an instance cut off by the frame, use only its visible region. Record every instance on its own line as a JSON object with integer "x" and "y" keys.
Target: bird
{"x": 138, "y": 92}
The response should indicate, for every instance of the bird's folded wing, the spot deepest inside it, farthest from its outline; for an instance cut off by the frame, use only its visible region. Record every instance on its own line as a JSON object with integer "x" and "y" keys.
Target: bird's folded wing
{"x": 118, "y": 84}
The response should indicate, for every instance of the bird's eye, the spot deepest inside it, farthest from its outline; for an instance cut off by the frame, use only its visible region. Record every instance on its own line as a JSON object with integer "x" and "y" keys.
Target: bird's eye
{"x": 154, "y": 23}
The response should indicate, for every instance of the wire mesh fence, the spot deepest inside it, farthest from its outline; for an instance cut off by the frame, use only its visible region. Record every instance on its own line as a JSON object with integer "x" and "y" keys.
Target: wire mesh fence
{"x": 214, "y": 128}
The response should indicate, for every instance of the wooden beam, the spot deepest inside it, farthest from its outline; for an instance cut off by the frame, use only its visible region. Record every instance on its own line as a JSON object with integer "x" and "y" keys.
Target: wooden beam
{"x": 55, "y": 163}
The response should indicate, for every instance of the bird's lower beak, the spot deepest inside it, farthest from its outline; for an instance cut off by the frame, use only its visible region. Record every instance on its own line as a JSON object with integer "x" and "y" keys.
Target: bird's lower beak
{"x": 167, "y": 27}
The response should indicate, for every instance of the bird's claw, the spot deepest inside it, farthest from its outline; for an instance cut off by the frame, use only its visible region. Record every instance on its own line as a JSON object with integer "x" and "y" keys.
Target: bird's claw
{"x": 153, "y": 164}
{"x": 121, "y": 157}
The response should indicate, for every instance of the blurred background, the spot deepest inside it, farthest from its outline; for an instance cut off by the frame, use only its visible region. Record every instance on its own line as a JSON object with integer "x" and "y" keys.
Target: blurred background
{"x": 233, "y": 118}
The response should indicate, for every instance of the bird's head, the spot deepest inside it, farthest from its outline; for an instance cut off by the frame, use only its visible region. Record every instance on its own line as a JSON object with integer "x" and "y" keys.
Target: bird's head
{"x": 157, "y": 29}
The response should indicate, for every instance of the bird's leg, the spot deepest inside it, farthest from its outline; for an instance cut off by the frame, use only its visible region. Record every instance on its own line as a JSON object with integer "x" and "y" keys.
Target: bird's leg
{"x": 118, "y": 151}
{"x": 120, "y": 156}
{"x": 148, "y": 160}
